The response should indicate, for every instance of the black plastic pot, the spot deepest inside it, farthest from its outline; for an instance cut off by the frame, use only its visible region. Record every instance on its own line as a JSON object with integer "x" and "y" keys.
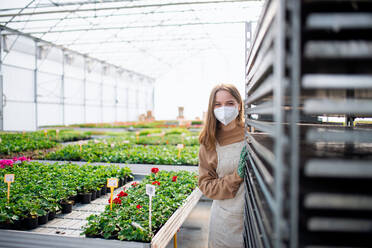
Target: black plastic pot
{"x": 98, "y": 193}
{"x": 93, "y": 196}
{"x": 5, "y": 225}
{"x": 128, "y": 179}
{"x": 42, "y": 219}
{"x": 74, "y": 199}
{"x": 29, "y": 223}
{"x": 120, "y": 183}
{"x": 51, "y": 215}
{"x": 66, "y": 207}
{"x": 93, "y": 236}
{"x": 103, "y": 190}
{"x": 86, "y": 198}
{"x": 16, "y": 225}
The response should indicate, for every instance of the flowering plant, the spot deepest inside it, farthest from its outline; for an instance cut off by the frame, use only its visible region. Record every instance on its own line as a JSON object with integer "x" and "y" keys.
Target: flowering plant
{"x": 168, "y": 198}
{"x": 122, "y": 194}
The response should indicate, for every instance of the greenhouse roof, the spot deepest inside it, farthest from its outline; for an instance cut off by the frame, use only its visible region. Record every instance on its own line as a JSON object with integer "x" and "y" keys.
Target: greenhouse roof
{"x": 146, "y": 36}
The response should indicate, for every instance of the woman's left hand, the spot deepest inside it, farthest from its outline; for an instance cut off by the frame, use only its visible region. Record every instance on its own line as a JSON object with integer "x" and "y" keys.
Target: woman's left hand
{"x": 242, "y": 162}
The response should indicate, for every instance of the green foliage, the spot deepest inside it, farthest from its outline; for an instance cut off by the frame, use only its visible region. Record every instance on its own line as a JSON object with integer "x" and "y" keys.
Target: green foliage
{"x": 21, "y": 142}
{"x": 118, "y": 222}
{"x": 169, "y": 140}
{"x": 150, "y": 131}
{"x": 119, "y": 152}
{"x": 178, "y": 131}
{"x": 196, "y": 123}
{"x": 39, "y": 188}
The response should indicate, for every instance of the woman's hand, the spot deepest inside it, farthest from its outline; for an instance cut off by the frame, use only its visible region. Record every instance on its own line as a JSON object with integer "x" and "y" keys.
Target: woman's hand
{"x": 242, "y": 162}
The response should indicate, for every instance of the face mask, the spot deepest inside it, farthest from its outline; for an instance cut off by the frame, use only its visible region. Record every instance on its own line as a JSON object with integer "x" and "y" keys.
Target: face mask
{"x": 226, "y": 114}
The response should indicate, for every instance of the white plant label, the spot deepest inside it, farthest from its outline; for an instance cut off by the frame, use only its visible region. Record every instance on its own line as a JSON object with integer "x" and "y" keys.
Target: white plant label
{"x": 112, "y": 182}
{"x": 9, "y": 178}
{"x": 180, "y": 146}
{"x": 150, "y": 190}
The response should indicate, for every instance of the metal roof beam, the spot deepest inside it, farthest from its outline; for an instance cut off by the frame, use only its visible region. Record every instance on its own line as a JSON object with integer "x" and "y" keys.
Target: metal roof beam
{"x": 124, "y": 14}
{"x": 124, "y": 7}
{"x": 129, "y": 41}
{"x": 131, "y": 27}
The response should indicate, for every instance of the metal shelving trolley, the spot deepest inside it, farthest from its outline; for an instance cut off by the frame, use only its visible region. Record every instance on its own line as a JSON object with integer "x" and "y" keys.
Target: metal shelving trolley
{"x": 309, "y": 180}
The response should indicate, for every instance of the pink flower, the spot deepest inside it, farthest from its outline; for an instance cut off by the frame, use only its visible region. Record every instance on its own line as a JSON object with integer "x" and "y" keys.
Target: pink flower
{"x": 134, "y": 184}
{"x": 6, "y": 163}
{"x": 23, "y": 159}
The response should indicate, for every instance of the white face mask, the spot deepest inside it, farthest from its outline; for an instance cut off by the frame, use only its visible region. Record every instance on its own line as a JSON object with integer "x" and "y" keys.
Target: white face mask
{"x": 226, "y": 114}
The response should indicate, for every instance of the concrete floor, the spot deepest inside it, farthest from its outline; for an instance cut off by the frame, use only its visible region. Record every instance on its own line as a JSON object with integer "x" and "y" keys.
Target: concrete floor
{"x": 194, "y": 231}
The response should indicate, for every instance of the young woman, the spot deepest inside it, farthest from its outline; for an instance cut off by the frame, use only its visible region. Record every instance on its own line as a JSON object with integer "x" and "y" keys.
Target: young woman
{"x": 220, "y": 169}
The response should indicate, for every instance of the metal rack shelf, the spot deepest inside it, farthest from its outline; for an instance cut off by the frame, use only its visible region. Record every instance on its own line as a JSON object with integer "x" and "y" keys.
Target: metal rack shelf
{"x": 308, "y": 182}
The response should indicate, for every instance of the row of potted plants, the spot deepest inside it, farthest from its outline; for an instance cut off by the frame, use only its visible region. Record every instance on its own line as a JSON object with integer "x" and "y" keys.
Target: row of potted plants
{"x": 122, "y": 152}
{"x": 129, "y": 217}
{"x": 40, "y": 190}
{"x": 141, "y": 124}
{"x": 11, "y": 143}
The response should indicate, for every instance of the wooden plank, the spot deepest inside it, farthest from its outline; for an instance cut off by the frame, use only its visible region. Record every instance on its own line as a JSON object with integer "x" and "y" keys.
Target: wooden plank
{"x": 167, "y": 232}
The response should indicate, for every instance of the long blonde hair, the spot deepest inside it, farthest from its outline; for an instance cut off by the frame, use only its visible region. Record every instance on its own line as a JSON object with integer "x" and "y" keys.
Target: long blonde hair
{"x": 208, "y": 134}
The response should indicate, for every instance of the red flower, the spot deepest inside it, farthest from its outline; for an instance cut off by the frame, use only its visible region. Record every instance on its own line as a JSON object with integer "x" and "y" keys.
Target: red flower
{"x": 115, "y": 201}
{"x": 174, "y": 179}
{"x": 134, "y": 184}
{"x": 154, "y": 170}
{"x": 122, "y": 193}
{"x": 138, "y": 206}
{"x": 156, "y": 183}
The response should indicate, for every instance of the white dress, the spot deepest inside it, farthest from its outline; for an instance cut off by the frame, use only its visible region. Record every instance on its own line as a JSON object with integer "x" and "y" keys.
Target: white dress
{"x": 226, "y": 219}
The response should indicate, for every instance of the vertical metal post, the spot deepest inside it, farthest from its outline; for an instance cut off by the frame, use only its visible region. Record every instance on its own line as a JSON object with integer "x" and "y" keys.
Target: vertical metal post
{"x": 127, "y": 102}
{"x": 294, "y": 129}
{"x": 116, "y": 97}
{"x": 63, "y": 87}
{"x": 137, "y": 102}
{"x": 85, "y": 90}
{"x": 153, "y": 96}
{"x": 35, "y": 85}
{"x": 279, "y": 82}
{"x": 1, "y": 85}
{"x": 248, "y": 38}
{"x": 101, "y": 93}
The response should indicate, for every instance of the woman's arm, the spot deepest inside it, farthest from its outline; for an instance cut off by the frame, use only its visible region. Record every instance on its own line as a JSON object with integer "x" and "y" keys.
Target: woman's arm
{"x": 210, "y": 184}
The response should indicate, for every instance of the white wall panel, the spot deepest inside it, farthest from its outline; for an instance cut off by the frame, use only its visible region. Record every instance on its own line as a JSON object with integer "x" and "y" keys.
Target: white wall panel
{"x": 18, "y": 83}
{"x": 49, "y": 88}
{"x": 108, "y": 114}
{"x": 74, "y": 91}
{"x": 19, "y": 116}
{"x": 20, "y": 59}
{"x": 74, "y": 114}
{"x": 49, "y": 114}
{"x": 93, "y": 114}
